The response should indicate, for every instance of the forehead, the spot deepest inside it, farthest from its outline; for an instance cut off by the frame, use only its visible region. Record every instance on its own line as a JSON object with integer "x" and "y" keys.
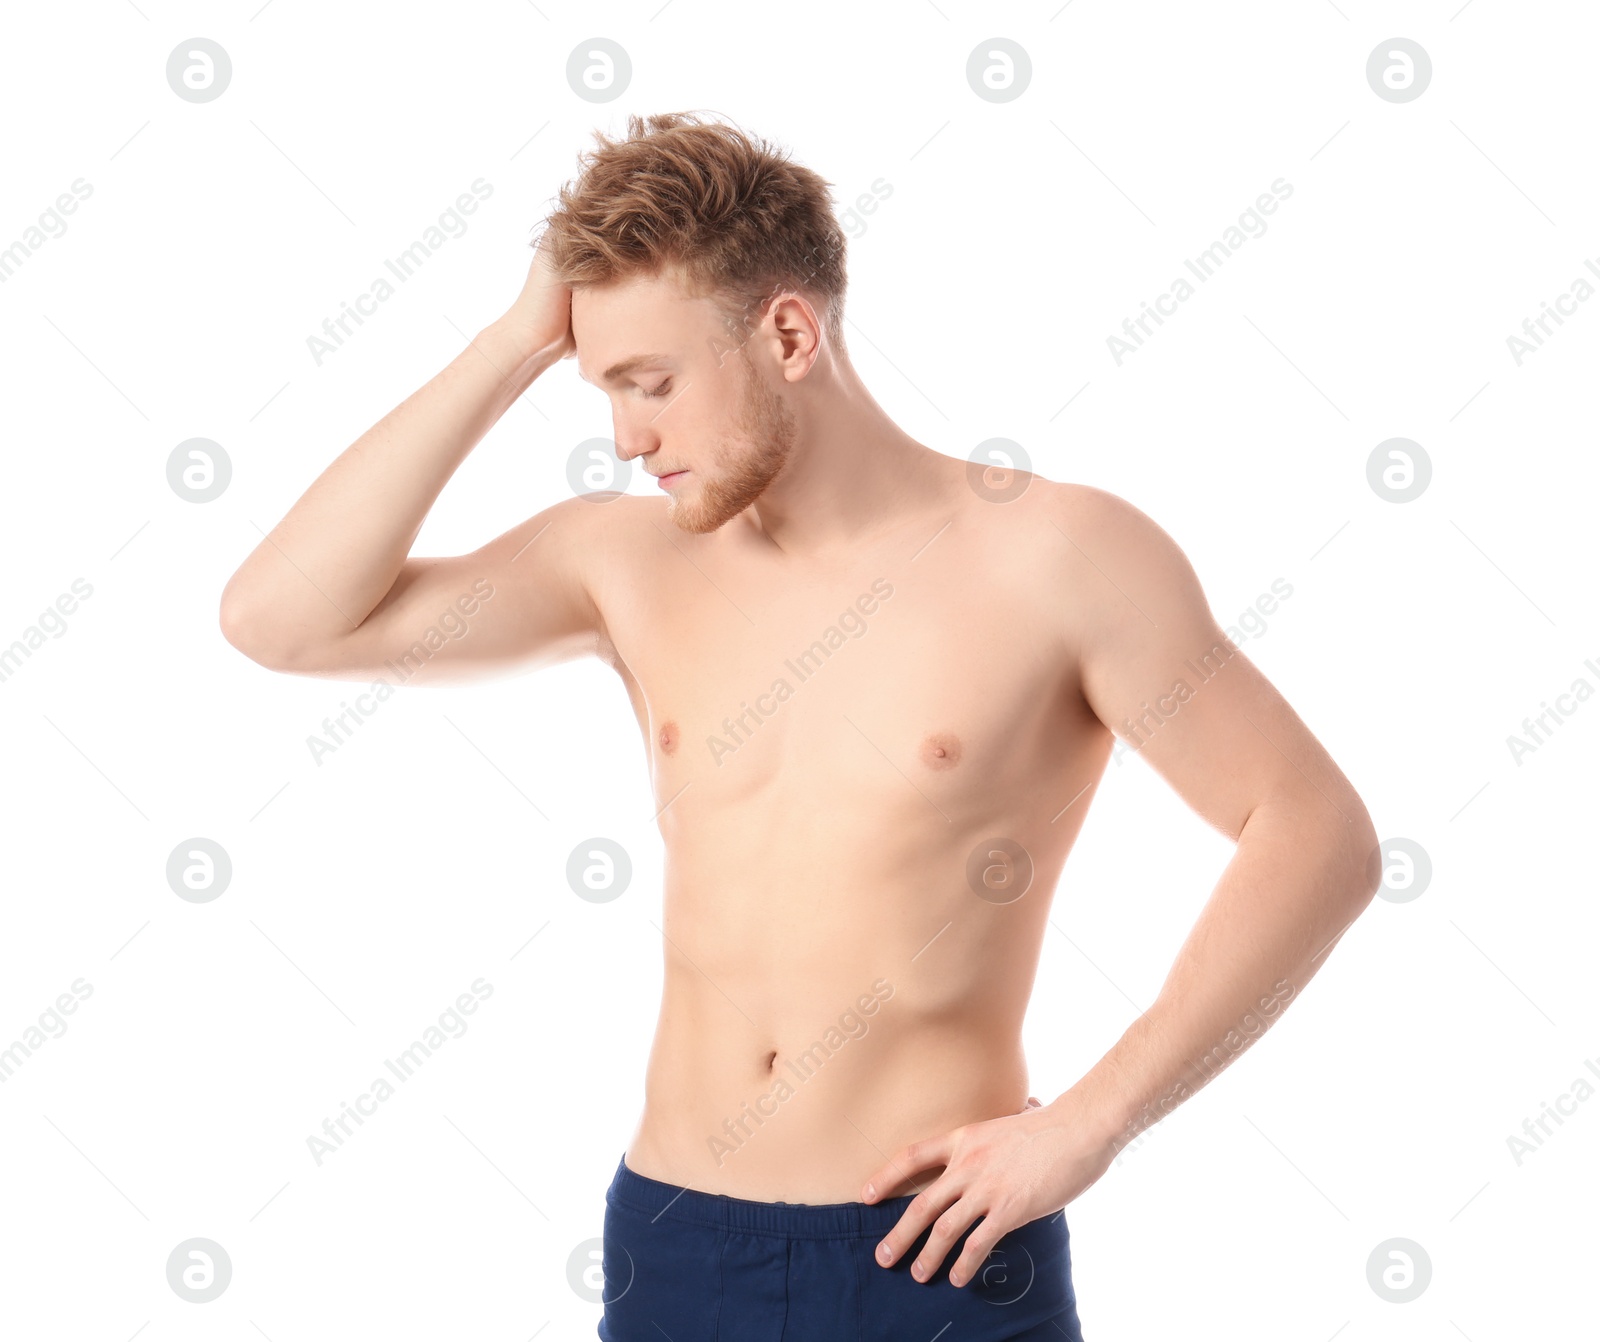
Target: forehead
{"x": 646, "y": 314}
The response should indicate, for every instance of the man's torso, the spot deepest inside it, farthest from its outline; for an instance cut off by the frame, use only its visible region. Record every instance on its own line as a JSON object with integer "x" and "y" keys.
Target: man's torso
{"x": 868, "y": 774}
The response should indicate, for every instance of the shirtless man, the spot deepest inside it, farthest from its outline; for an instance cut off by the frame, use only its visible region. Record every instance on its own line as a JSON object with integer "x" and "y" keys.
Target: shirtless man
{"x": 877, "y": 689}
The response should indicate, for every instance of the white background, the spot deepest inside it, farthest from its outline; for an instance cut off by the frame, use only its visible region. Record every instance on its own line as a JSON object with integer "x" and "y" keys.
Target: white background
{"x": 371, "y": 889}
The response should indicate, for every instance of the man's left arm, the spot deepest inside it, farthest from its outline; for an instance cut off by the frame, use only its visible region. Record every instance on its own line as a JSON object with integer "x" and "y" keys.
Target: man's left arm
{"x": 1304, "y": 868}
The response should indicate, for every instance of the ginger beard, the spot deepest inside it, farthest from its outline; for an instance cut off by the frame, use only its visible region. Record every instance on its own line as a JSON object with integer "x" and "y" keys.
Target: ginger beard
{"x": 746, "y": 463}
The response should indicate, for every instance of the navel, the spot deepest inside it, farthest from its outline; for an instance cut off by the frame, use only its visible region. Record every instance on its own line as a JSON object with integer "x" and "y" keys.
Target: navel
{"x": 667, "y": 737}
{"x": 942, "y": 750}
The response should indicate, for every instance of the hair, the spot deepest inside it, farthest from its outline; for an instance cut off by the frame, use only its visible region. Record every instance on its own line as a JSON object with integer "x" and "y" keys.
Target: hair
{"x": 733, "y": 212}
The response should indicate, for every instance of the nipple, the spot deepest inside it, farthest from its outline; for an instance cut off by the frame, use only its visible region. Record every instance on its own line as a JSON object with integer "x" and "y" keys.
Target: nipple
{"x": 942, "y": 750}
{"x": 668, "y": 737}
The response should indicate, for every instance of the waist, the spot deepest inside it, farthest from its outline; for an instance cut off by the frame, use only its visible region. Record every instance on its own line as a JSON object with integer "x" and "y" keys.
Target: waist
{"x": 720, "y": 1211}
{"x": 811, "y": 1123}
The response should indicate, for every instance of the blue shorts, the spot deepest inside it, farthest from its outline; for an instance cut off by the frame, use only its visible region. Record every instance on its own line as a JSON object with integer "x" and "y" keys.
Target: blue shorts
{"x": 704, "y": 1267}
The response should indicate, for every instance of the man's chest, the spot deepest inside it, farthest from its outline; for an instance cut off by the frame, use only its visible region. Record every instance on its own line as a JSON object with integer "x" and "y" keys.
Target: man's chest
{"x": 927, "y": 683}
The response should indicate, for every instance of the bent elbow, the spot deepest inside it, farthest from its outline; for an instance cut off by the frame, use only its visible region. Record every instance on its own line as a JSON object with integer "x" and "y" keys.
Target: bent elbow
{"x": 1366, "y": 851}
{"x": 245, "y": 631}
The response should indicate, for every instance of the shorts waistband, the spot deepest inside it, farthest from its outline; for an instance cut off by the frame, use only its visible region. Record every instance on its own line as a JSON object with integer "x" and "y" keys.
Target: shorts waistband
{"x": 794, "y": 1220}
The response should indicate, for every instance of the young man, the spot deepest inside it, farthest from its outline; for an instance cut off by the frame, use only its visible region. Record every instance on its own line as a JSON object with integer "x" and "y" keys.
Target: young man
{"x": 878, "y": 687}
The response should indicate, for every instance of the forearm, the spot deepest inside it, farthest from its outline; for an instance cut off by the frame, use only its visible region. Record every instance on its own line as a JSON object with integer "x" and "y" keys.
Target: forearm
{"x": 338, "y": 551}
{"x": 1298, "y": 878}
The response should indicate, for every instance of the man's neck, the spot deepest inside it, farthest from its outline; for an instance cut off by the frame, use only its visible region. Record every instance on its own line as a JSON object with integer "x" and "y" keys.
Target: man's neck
{"x": 852, "y": 475}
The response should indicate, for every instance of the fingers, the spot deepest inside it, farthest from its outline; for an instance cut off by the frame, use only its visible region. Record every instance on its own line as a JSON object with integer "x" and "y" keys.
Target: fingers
{"x": 980, "y": 1244}
{"x": 946, "y": 1231}
{"x": 913, "y": 1221}
{"x": 908, "y": 1161}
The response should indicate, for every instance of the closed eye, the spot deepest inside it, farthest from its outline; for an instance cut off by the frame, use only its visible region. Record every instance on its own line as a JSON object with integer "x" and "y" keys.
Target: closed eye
{"x": 661, "y": 390}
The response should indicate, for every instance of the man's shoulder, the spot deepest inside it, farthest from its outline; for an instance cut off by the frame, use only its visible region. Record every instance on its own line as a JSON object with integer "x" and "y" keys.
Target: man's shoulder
{"x": 1095, "y": 557}
{"x": 1072, "y": 501}
{"x": 1093, "y": 524}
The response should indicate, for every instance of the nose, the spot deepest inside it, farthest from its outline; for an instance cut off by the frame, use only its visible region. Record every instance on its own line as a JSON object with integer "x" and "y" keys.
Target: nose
{"x": 633, "y": 439}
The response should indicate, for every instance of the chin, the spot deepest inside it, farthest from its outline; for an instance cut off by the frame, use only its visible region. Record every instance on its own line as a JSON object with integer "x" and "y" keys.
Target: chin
{"x": 693, "y": 520}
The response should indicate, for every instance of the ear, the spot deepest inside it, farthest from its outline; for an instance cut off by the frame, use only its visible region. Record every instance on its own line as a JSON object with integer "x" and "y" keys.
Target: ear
{"x": 796, "y": 335}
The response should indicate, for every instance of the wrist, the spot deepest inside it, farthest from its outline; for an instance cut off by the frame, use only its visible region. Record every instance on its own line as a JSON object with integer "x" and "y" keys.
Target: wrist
{"x": 1104, "y": 1125}
{"x": 517, "y": 351}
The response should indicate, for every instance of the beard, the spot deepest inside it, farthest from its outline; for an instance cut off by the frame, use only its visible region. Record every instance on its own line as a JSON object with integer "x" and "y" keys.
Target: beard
{"x": 746, "y": 464}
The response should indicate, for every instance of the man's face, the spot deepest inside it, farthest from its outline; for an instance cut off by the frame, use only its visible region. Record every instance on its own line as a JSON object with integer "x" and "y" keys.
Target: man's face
{"x": 684, "y": 397}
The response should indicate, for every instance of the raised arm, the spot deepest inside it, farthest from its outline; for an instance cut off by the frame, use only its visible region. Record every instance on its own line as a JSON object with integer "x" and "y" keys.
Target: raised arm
{"x": 332, "y": 590}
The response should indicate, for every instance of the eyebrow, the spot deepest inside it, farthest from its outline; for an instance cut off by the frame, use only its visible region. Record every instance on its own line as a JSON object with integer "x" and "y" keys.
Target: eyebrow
{"x": 627, "y": 366}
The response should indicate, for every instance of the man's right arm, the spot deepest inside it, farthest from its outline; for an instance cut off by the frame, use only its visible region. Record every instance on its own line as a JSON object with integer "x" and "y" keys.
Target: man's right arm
{"x": 332, "y": 589}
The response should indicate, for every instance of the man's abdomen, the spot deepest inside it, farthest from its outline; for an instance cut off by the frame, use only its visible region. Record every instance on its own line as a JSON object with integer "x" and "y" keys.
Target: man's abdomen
{"x": 795, "y": 1055}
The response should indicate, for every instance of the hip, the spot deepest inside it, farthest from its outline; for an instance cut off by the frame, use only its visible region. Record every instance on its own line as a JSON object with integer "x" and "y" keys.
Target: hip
{"x": 707, "y": 1267}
